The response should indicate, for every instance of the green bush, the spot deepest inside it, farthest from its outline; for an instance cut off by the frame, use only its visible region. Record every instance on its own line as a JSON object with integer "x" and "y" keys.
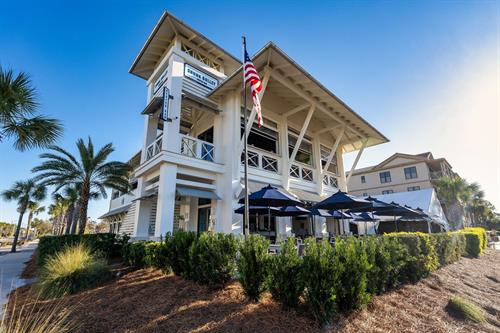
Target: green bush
{"x": 472, "y": 244}
{"x": 450, "y": 246}
{"x": 156, "y": 256}
{"x": 134, "y": 254}
{"x": 352, "y": 292}
{"x": 213, "y": 258}
{"x": 476, "y": 241}
{"x": 253, "y": 265}
{"x": 321, "y": 272}
{"x": 422, "y": 257}
{"x": 105, "y": 244}
{"x": 71, "y": 270}
{"x": 177, "y": 251}
{"x": 285, "y": 283}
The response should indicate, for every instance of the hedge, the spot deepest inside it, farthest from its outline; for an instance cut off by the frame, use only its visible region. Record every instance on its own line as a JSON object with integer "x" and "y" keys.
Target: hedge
{"x": 105, "y": 244}
{"x": 329, "y": 278}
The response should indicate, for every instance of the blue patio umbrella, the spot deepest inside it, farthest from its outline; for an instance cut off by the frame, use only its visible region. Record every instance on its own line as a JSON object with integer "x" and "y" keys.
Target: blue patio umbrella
{"x": 398, "y": 210}
{"x": 270, "y": 196}
{"x": 342, "y": 200}
{"x": 376, "y": 206}
{"x": 338, "y": 214}
{"x": 257, "y": 210}
{"x": 292, "y": 211}
{"x": 319, "y": 212}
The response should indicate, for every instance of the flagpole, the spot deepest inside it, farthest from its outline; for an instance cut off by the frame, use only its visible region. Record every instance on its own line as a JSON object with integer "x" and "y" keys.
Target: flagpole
{"x": 245, "y": 215}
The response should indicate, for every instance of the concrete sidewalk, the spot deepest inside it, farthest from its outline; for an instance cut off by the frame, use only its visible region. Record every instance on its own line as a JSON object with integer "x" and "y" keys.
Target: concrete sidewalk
{"x": 11, "y": 267}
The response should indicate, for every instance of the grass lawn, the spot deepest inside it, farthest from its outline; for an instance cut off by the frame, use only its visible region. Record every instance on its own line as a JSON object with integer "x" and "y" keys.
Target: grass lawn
{"x": 149, "y": 301}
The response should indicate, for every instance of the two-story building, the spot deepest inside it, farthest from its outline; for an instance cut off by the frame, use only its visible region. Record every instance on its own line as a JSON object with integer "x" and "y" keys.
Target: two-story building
{"x": 399, "y": 173}
{"x": 189, "y": 172}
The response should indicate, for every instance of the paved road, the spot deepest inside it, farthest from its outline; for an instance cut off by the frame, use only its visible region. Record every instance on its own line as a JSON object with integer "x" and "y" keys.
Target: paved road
{"x": 11, "y": 266}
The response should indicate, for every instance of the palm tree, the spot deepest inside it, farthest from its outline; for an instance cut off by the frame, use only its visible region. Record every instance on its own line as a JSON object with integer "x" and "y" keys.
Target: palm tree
{"x": 90, "y": 173}
{"x": 58, "y": 212}
{"x": 35, "y": 209}
{"x": 18, "y": 118}
{"x": 454, "y": 193}
{"x": 24, "y": 192}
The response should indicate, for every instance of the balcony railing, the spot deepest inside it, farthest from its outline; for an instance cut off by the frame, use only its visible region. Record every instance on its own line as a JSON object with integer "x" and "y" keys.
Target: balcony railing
{"x": 330, "y": 180}
{"x": 302, "y": 172}
{"x": 436, "y": 174}
{"x": 154, "y": 148}
{"x": 197, "y": 148}
{"x": 262, "y": 160}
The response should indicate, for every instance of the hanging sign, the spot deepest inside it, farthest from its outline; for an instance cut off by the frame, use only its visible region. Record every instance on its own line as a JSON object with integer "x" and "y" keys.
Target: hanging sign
{"x": 200, "y": 77}
{"x": 165, "y": 104}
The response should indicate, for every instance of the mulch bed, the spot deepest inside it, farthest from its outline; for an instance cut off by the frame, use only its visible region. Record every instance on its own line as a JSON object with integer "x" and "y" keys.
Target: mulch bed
{"x": 149, "y": 301}
{"x": 30, "y": 271}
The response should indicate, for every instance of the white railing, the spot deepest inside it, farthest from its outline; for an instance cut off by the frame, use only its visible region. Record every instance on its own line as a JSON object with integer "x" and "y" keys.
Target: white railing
{"x": 154, "y": 148}
{"x": 302, "y": 172}
{"x": 330, "y": 180}
{"x": 197, "y": 148}
{"x": 262, "y": 160}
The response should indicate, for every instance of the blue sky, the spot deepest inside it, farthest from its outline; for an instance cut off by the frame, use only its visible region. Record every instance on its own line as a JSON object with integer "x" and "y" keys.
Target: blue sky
{"x": 426, "y": 74}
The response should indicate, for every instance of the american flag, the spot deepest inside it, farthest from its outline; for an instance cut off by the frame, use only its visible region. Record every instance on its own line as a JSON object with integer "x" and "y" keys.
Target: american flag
{"x": 252, "y": 78}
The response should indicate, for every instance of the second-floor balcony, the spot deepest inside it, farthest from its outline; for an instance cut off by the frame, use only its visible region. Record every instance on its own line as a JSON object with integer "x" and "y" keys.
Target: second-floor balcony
{"x": 189, "y": 146}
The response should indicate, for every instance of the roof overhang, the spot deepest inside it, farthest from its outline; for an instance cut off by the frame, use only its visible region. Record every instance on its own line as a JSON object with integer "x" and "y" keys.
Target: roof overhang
{"x": 160, "y": 39}
{"x": 286, "y": 73}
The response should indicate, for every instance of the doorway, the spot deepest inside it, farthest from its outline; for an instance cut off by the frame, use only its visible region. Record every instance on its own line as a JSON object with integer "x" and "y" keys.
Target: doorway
{"x": 203, "y": 214}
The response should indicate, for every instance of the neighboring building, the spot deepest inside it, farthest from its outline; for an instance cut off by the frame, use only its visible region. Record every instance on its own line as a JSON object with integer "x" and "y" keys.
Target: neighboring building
{"x": 399, "y": 173}
{"x": 189, "y": 172}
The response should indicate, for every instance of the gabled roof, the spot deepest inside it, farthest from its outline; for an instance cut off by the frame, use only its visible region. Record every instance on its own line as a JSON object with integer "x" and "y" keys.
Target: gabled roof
{"x": 159, "y": 41}
{"x": 422, "y": 157}
{"x": 273, "y": 58}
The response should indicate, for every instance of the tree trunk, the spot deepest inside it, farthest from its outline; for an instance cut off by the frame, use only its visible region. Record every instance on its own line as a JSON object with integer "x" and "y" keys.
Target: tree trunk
{"x": 84, "y": 202}
{"x": 18, "y": 229}
{"x": 74, "y": 219}
{"x": 69, "y": 218}
{"x": 30, "y": 217}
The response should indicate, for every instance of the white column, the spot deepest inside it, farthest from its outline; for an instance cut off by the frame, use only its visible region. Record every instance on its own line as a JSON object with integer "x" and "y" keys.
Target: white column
{"x": 171, "y": 128}
{"x": 285, "y": 164}
{"x": 150, "y": 130}
{"x": 166, "y": 200}
{"x": 317, "y": 160}
{"x": 142, "y": 213}
{"x": 340, "y": 169}
{"x": 226, "y": 140}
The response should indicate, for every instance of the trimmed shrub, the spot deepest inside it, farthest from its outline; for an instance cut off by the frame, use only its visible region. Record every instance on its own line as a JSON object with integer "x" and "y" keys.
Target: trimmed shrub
{"x": 213, "y": 258}
{"x": 422, "y": 258}
{"x": 253, "y": 265}
{"x": 177, "y": 251}
{"x": 450, "y": 246}
{"x": 352, "y": 292}
{"x": 321, "y": 273}
{"x": 134, "y": 254}
{"x": 71, "y": 270}
{"x": 104, "y": 245}
{"x": 476, "y": 241}
{"x": 285, "y": 284}
{"x": 472, "y": 244}
{"x": 156, "y": 256}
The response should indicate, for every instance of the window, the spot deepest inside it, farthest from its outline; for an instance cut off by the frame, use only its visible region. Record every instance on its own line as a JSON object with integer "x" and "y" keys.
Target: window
{"x": 387, "y": 191}
{"x": 385, "y": 177}
{"x": 265, "y": 138}
{"x": 411, "y": 173}
{"x": 304, "y": 153}
{"x": 413, "y": 188}
{"x": 115, "y": 195}
{"x": 365, "y": 194}
{"x": 363, "y": 179}
{"x": 325, "y": 153}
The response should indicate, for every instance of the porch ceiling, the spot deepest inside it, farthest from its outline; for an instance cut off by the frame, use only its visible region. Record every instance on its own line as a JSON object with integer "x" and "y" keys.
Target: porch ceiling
{"x": 295, "y": 87}
{"x": 164, "y": 32}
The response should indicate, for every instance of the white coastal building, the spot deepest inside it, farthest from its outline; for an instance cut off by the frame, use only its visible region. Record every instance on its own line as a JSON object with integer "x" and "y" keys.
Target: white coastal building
{"x": 189, "y": 173}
